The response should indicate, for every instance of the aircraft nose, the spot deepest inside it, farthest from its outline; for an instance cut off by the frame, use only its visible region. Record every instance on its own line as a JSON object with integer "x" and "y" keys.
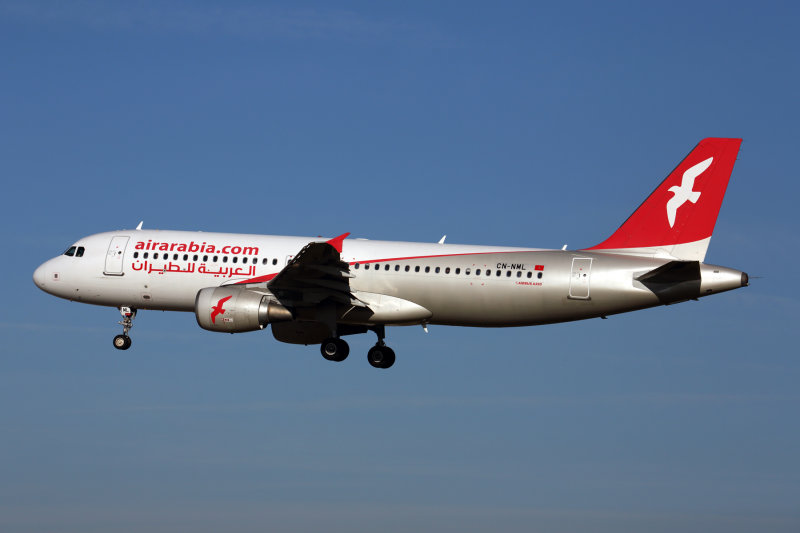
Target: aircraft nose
{"x": 39, "y": 276}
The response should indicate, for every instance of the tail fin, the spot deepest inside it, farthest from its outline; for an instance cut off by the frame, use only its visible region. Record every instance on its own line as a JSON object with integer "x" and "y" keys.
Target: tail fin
{"x": 677, "y": 219}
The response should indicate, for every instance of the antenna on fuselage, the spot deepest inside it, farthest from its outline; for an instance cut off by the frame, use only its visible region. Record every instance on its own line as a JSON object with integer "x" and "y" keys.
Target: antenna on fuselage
{"x": 139, "y": 227}
{"x": 441, "y": 241}
{"x": 564, "y": 247}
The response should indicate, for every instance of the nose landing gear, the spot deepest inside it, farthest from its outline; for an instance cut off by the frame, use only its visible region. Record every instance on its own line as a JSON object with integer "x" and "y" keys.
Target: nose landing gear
{"x": 123, "y": 342}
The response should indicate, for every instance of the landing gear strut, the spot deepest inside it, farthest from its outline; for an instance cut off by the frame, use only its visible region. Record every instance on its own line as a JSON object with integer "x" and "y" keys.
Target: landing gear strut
{"x": 334, "y": 349}
{"x": 123, "y": 342}
{"x": 380, "y": 355}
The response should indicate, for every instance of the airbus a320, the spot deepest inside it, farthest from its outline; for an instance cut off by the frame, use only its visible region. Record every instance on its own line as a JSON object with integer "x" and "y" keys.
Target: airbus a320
{"x": 317, "y": 291}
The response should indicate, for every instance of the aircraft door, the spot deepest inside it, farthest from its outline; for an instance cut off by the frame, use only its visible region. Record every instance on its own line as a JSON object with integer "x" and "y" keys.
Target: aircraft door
{"x": 116, "y": 251}
{"x": 580, "y": 278}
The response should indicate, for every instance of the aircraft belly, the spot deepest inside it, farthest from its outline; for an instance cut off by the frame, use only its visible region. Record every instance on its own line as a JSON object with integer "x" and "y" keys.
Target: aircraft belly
{"x": 142, "y": 292}
{"x": 169, "y": 294}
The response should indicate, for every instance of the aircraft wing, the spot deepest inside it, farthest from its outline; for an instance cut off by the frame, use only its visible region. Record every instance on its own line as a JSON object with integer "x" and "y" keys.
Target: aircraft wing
{"x": 315, "y": 274}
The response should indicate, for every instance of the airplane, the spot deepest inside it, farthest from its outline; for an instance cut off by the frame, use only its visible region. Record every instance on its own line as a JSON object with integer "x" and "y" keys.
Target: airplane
{"x": 318, "y": 290}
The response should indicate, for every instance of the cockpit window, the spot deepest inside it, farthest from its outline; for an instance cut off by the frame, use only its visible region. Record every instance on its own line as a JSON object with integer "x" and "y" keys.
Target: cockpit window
{"x": 80, "y": 251}
{"x": 71, "y": 251}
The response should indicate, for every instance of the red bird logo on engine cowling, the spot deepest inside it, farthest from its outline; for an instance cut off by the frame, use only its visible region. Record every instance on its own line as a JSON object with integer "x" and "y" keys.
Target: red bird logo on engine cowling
{"x": 217, "y": 309}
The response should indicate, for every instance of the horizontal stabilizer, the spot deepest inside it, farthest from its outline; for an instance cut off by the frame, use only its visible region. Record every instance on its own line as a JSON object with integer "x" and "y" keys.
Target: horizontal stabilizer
{"x": 673, "y": 282}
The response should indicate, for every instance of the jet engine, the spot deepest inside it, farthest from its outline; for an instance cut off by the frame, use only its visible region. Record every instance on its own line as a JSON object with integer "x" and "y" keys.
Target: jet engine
{"x": 236, "y": 309}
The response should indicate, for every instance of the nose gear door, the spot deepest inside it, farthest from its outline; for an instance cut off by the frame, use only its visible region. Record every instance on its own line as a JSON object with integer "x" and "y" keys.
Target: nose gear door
{"x": 116, "y": 251}
{"x": 579, "y": 280}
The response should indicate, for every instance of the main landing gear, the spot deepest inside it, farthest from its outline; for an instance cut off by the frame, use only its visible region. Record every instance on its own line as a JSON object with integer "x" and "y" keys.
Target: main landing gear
{"x": 334, "y": 349}
{"x": 123, "y": 342}
{"x": 379, "y": 356}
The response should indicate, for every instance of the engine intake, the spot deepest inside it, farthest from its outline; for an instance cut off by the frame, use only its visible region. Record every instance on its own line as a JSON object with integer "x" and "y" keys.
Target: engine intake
{"x": 235, "y": 309}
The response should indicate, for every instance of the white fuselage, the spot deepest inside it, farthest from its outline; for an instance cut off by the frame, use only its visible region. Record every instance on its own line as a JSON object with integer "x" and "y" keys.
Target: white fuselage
{"x": 458, "y": 284}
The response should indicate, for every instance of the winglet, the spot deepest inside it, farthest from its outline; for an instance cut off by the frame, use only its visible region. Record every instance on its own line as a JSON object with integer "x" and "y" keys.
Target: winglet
{"x": 336, "y": 242}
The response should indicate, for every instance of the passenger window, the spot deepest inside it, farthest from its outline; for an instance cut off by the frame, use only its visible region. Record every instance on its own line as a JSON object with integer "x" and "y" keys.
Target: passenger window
{"x": 135, "y": 255}
{"x": 498, "y": 273}
{"x": 447, "y": 270}
{"x": 264, "y": 261}
{"x": 80, "y": 251}
{"x": 539, "y": 275}
{"x": 185, "y": 256}
{"x": 205, "y": 258}
{"x": 386, "y": 267}
{"x": 194, "y": 257}
{"x": 224, "y": 258}
{"x": 275, "y": 261}
{"x": 408, "y": 268}
{"x": 366, "y": 267}
{"x": 155, "y": 255}
{"x": 244, "y": 260}
{"x": 356, "y": 266}
{"x": 478, "y": 272}
{"x": 235, "y": 259}
{"x": 519, "y": 273}
{"x": 466, "y": 272}
{"x": 458, "y": 271}
{"x": 427, "y": 269}
{"x": 214, "y": 258}
{"x": 70, "y": 252}
{"x": 437, "y": 270}
{"x": 397, "y": 268}
{"x": 508, "y": 273}
{"x": 489, "y": 272}
{"x": 174, "y": 257}
{"x": 529, "y": 274}
{"x": 416, "y": 268}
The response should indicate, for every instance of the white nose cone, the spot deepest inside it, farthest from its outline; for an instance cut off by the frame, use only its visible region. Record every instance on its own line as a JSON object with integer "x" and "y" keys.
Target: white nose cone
{"x": 40, "y": 277}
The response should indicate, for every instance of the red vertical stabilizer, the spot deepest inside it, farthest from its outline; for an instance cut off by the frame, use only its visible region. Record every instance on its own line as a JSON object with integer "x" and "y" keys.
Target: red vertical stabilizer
{"x": 678, "y": 218}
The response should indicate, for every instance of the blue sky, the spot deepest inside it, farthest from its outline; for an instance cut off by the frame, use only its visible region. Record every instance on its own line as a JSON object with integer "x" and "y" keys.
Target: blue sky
{"x": 513, "y": 123}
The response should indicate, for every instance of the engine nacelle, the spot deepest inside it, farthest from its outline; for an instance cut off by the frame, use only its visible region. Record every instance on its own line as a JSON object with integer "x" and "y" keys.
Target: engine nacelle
{"x": 236, "y": 309}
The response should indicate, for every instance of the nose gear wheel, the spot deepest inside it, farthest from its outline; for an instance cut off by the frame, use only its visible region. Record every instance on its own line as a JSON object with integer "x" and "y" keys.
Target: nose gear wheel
{"x": 123, "y": 342}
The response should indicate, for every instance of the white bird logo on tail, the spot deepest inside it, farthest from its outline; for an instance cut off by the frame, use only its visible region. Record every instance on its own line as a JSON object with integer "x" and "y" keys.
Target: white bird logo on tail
{"x": 684, "y": 192}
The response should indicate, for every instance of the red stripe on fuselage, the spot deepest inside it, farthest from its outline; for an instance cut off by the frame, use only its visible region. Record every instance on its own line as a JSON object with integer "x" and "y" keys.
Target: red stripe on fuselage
{"x": 441, "y": 255}
{"x": 268, "y": 277}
